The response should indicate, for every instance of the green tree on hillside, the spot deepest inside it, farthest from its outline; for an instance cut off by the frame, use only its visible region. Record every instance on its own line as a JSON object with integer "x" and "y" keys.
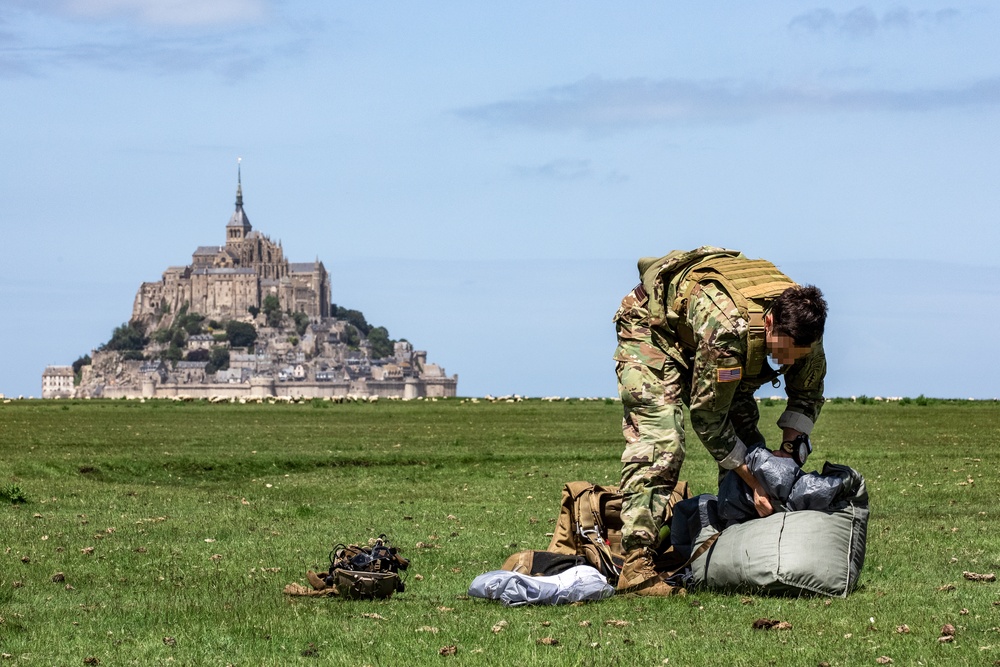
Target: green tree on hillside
{"x": 78, "y": 365}
{"x": 351, "y": 337}
{"x": 173, "y": 354}
{"x": 240, "y": 334}
{"x": 128, "y": 336}
{"x": 301, "y": 322}
{"x": 381, "y": 345}
{"x": 219, "y": 360}
{"x": 179, "y": 339}
{"x": 272, "y": 310}
{"x": 191, "y": 323}
{"x": 354, "y": 317}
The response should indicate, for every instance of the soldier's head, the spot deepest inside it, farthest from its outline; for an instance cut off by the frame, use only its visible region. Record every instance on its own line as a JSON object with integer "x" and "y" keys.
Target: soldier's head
{"x": 794, "y": 322}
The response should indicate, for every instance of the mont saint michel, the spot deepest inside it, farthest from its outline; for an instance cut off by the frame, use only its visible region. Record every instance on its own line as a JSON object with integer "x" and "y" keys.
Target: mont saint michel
{"x": 242, "y": 321}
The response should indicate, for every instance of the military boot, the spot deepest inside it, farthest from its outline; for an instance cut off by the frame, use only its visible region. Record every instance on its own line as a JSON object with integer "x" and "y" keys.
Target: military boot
{"x": 639, "y": 576}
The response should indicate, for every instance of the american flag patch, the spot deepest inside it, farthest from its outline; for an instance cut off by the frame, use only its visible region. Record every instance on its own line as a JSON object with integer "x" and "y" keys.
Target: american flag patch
{"x": 729, "y": 374}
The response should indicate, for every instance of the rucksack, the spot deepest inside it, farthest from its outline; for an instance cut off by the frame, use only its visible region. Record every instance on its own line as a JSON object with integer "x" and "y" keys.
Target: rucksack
{"x": 590, "y": 525}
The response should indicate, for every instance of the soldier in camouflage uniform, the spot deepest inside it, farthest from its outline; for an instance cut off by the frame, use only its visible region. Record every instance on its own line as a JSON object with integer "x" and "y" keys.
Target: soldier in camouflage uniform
{"x": 696, "y": 332}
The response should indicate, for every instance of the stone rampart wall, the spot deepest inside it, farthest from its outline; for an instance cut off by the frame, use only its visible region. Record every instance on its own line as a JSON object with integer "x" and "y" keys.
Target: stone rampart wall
{"x": 445, "y": 387}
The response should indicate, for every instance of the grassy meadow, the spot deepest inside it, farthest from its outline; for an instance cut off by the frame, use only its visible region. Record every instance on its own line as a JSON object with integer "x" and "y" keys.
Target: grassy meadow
{"x": 164, "y": 533}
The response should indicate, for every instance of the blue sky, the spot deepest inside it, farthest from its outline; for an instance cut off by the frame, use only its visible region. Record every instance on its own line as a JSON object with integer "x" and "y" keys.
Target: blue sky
{"x": 481, "y": 178}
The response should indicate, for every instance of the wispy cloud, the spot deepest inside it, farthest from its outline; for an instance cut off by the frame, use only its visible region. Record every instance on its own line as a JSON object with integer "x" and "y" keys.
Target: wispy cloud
{"x": 231, "y": 61}
{"x": 864, "y": 22}
{"x": 155, "y": 12}
{"x": 569, "y": 170}
{"x": 602, "y": 105}
{"x": 231, "y": 38}
{"x": 10, "y": 42}
{"x": 558, "y": 170}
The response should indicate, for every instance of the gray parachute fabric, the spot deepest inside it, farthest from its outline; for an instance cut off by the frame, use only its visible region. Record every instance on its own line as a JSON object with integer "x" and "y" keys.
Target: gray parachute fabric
{"x": 818, "y": 551}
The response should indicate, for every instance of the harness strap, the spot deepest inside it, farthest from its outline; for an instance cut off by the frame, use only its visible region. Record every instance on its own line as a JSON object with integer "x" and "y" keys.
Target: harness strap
{"x": 588, "y": 513}
{"x": 756, "y": 343}
{"x": 677, "y": 574}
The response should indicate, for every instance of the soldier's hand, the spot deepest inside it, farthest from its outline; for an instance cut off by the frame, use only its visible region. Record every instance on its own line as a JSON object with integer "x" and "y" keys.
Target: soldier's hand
{"x": 762, "y": 503}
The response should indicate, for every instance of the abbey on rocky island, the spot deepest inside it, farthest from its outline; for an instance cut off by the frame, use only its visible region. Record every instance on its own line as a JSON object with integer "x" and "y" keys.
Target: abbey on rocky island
{"x": 241, "y": 321}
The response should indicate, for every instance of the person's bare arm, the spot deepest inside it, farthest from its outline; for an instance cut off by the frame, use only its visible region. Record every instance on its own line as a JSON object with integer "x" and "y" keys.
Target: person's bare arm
{"x": 760, "y": 499}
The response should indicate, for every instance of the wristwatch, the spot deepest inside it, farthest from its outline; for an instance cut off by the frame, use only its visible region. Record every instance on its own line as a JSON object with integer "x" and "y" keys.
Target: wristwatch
{"x": 799, "y": 448}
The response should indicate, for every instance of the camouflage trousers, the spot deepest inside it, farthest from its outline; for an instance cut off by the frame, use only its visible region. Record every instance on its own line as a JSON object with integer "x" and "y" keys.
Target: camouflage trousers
{"x": 653, "y": 426}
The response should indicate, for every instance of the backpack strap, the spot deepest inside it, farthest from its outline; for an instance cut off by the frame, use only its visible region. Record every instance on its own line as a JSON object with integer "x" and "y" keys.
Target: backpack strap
{"x": 588, "y": 528}
{"x": 676, "y": 576}
{"x": 756, "y": 343}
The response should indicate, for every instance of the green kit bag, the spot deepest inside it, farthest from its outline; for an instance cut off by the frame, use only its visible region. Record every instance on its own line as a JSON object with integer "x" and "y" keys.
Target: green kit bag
{"x": 807, "y": 551}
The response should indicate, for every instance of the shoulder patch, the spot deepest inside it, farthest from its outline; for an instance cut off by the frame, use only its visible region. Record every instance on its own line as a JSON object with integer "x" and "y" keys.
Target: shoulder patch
{"x": 729, "y": 374}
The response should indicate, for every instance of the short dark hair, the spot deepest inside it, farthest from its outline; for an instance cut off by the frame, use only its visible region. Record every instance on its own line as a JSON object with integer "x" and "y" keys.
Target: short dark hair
{"x": 800, "y": 313}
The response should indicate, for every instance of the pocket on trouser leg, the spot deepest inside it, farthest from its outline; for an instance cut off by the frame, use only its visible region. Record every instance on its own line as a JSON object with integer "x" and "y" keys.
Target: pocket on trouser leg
{"x": 654, "y": 436}
{"x": 639, "y": 528}
{"x": 639, "y": 384}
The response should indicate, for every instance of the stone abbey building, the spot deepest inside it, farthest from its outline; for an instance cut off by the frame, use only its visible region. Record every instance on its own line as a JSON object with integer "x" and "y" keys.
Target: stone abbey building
{"x": 324, "y": 357}
{"x": 223, "y": 282}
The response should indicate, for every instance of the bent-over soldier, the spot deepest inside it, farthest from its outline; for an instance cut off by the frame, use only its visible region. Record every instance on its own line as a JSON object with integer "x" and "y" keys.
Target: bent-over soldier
{"x": 696, "y": 331}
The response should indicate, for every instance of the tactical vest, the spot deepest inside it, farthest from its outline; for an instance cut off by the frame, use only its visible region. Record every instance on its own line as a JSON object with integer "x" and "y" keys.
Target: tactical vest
{"x": 751, "y": 283}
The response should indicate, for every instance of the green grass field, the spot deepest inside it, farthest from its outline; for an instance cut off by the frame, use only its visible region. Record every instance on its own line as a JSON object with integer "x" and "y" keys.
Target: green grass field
{"x": 176, "y": 526}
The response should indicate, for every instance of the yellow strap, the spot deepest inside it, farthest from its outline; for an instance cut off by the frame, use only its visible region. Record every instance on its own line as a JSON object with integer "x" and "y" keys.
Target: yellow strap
{"x": 766, "y": 289}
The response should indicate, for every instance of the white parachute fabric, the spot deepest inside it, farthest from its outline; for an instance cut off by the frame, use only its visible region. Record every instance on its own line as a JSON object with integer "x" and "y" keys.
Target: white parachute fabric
{"x": 577, "y": 584}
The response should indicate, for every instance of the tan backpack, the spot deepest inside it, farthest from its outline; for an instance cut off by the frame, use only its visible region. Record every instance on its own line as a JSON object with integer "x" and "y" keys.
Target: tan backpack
{"x": 590, "y": 525}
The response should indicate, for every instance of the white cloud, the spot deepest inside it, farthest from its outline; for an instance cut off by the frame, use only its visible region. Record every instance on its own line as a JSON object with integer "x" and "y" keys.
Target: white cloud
{"x": 227, "y": 37}
{"x": 862, "y": 21}
{"x": 559, "y": 170}
{"x": 602, "y": 105}
{"x": 168, "y": 12}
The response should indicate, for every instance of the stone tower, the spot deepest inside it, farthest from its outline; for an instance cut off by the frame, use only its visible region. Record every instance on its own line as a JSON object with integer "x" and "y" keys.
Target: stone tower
{"x": 239, "y": 225}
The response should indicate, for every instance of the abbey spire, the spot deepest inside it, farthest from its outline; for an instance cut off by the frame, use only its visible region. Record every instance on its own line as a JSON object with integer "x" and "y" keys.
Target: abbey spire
{"x": 239, "y": 225}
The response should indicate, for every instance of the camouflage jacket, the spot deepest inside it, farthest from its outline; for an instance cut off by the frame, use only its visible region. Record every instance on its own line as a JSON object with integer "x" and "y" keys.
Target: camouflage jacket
{"x": 720, "y": 395}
